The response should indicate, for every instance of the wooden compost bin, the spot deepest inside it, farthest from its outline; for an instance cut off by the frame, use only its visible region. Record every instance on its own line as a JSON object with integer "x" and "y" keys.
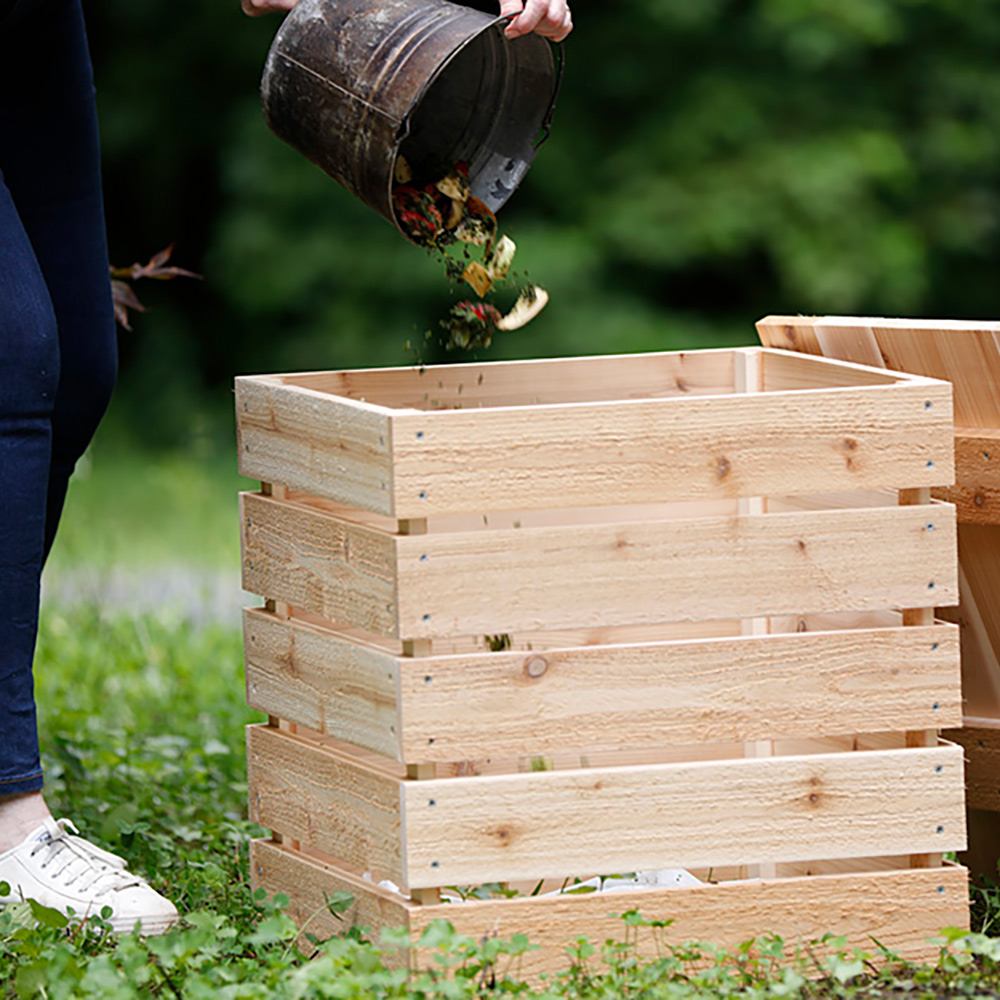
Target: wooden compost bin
{"x": 533, "y": 621}
{"x": 968, "y": 355}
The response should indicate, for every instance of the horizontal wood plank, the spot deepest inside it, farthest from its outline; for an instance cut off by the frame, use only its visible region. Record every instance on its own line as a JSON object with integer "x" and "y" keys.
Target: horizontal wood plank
{"x": 902, "y": 909}
{"x": 571, "y": 432}
{"x": 309, "y": 884}
{"x": 683, "y": 815}
{"x": 335, "y": 568}
{"x": 964, "y": 352}
{"x": 513, "y": 703}
{"x": 976, "y": 493}
{"x": 709, "y": 568}
{"x": 533, "y": 382}
{"x": 324, "y": 800}
{"x": 329, "y": 683}
{"x": 746, "y": 688}
{"x": 296, "y": 437}
{"x": 721, "y": 447}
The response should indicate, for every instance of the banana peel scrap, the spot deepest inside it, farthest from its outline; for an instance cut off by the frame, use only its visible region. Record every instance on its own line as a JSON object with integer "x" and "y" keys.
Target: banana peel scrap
{"x": 530, "y": 303}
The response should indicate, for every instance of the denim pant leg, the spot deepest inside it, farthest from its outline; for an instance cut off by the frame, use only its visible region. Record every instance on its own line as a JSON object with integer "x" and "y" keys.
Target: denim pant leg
{"x": 57, "y": 337}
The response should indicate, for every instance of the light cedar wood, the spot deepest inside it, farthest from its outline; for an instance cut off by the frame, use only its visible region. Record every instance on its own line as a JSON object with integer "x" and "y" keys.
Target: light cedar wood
{"x": 901, "y": 909}
{"x": 527, "y": 383}
{"x": 834, "y": 560}
{"x": 512, "y": 826}
{"x": 299, "y": 439}
{"x": 334, "y": 568}
{"x": 962, "y": 352}
{"x": 765, "y": 809}
{"x": 837, "y": 427}
{"x": 324, "y": 800}
{"x": 486, "y": 582}
{"x": 308, "y": 883}
{"x": 639, "y": 573}
{"x": 334, "y": 685}
{"x": 705, "y": 448}
{"x": 517, "y": 702}
{"x": 966, "y": 353}
{"x": 976, "y": 493}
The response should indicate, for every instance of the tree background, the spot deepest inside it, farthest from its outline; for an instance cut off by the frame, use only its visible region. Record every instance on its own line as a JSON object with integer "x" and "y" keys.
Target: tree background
{"x": 711, "y": 162}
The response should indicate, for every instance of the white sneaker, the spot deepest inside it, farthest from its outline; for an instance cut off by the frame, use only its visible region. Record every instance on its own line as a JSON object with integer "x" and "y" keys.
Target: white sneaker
{"x": 58, "y": 869}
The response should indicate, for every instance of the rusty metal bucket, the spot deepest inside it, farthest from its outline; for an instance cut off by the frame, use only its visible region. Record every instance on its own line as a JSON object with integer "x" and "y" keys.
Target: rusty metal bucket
{"x": 354, "y": 84}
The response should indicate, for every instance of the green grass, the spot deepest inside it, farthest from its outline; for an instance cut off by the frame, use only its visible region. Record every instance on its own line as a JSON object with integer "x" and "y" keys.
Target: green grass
{"x": 133, "y": 511}
{"x": 142, "y": 722}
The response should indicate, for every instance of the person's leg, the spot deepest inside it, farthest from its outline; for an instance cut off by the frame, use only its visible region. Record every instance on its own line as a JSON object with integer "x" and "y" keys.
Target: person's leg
{"x": 54, "y": 300}
{"x": 57, "y": 366}
{"x": 29, "y": 374}
{"x": 49, "y": 143}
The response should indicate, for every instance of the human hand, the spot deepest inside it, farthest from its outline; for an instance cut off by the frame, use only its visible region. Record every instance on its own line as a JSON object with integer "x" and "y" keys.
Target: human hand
{"x": 549, "y": 18}
{"x": 254, "y": 8}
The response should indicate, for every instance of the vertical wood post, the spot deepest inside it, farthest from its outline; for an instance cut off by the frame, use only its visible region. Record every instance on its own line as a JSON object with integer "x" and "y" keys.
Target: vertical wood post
{"x": 748, "y": 377}
{"x": 920, "y": 616}
{"x": 419, "y": 647}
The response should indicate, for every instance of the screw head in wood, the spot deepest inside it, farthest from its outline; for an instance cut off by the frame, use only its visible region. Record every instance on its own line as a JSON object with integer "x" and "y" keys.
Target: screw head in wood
{"x": 536, "y": 666}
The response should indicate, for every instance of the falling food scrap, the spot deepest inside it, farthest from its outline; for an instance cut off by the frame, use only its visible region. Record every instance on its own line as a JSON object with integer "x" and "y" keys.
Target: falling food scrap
{"x": 442, "y": 212}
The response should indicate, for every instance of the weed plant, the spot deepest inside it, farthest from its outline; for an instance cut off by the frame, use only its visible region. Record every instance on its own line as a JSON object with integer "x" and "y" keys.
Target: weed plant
{"x": 141, "y": 722}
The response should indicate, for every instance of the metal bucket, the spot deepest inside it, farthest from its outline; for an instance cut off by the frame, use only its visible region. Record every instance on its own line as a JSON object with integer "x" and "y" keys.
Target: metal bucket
{"x": 354, "y": 84}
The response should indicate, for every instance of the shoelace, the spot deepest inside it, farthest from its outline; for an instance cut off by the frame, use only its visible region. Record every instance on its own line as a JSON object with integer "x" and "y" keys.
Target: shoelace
{"x": 74, "y": 860}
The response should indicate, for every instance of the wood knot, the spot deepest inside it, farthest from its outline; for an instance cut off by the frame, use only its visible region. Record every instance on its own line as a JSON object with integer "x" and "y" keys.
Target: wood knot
{"x": 722, "y": 467}
{"x": 979, "y": 499}
{"x": 681, "y": 384}
{"x": 791, "y": 334}
{"x": 503, "y": 835}
{"x": 800, "y": 545}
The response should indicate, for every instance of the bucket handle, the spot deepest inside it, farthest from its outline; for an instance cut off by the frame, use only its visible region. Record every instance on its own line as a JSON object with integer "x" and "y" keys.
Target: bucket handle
{"x": 546, "y": 126}
{"x": 545, "y": 129}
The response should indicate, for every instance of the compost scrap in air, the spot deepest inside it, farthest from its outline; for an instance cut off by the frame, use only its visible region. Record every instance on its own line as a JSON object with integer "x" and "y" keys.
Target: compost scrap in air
{"x": 442, "y": 215}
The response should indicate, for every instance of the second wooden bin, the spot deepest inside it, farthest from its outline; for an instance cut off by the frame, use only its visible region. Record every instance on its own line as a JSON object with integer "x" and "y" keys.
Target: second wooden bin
{"x": 530, "y": 622}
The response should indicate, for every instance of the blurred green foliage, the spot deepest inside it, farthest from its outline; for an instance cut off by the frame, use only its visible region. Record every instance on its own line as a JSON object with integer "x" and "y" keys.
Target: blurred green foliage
{"x": 710, "y": 162}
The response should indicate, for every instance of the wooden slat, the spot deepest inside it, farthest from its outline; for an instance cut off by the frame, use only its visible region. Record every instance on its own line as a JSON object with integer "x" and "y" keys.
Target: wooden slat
{"x": 982, "y": 765}
{"x": 325, "y": 800}
{"x": 298, "y": 438}
{"x": 676, "y": 449}
{"x": 516, "y": 703}
{"x": 963, "y": 352}
{"x": 529, "y": 383}
{"x": 686, "y": 815}
{"x": 839, "y": 560}
{"x": 594, "y": 443}
{"x": 695, "y": 814}
{"x": 976, "y": 493}
{"x": 337, "y": 569}
{"x": 329, "y": 683}
{"x": 784, "y": 371}
{"x": 748, "y": 688}
{"x": 788, "y": 333}
{"x": 901, "y": 909}
{"x": 487, "y": 581}
{"x": 309, "y": 883}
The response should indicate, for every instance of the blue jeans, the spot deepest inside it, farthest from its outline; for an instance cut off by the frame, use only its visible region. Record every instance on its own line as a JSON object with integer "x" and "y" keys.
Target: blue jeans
{"x": 57, "y": 336}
